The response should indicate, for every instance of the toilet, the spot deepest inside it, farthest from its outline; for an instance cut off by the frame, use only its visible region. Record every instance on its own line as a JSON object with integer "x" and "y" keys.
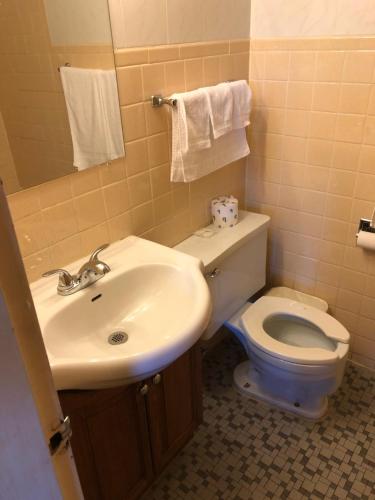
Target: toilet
{"x": 296, "y": 350}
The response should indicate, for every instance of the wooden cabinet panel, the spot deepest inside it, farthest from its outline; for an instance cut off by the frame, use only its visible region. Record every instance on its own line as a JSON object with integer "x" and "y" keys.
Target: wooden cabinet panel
{"x": 110, "y": 442}
{"x": 122, "y": 439}
{"x": 174, "y": 407}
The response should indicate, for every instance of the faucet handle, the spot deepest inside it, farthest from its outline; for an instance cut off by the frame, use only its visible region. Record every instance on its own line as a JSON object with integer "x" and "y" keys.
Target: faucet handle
{"x": 95, "y": 253}
{"x": 65, "y": 278}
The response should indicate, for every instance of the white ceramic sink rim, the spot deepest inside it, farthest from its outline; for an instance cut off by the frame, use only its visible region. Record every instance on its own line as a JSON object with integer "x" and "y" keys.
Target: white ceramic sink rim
{"x": 118, "y": 365}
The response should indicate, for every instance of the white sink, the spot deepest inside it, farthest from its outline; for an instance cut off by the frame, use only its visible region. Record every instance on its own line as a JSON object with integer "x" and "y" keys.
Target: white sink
{"x": 155, "y": 296}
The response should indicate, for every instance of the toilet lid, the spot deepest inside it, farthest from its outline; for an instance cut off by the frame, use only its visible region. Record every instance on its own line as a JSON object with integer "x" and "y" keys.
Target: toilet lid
{"x": 312, "y": 339}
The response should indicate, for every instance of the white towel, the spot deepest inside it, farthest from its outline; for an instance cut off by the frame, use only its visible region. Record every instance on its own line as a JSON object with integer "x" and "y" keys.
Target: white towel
{"x": 193, "y": 120}
{"x": 241, "y": 103}
{"x": 94, "y": 115}
{"x": 220, "y": 98}
{"x": 189, "y": 165}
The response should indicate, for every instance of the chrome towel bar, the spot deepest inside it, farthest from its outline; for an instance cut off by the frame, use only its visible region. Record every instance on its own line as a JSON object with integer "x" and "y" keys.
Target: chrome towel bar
{"x": 66, "y": 64}
{"x": 157, "y": 101}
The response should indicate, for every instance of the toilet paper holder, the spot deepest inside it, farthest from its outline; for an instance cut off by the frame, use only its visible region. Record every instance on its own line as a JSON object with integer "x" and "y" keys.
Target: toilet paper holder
{"x": 366, "y": 225}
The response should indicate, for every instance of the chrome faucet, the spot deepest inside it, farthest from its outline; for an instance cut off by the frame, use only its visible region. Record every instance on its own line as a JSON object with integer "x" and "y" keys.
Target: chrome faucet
{"x": 91, "y": 271}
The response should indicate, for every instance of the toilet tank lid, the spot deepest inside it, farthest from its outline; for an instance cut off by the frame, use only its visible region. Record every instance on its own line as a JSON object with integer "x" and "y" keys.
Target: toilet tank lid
{"x": 213, "y": 244}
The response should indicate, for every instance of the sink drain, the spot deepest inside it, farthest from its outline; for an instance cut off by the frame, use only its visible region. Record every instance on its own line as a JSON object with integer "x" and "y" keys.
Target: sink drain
{"x": 118, "y": 338}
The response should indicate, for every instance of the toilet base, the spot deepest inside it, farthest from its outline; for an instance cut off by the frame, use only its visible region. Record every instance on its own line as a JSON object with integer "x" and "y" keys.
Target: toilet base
{"x": 246, "y": 383}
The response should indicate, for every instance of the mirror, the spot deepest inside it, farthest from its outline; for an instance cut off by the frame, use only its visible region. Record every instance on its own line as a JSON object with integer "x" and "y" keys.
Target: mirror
{"x": 37, "y": 38}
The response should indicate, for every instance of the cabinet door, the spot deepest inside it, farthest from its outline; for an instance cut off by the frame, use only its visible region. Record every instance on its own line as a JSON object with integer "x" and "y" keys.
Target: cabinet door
{"x": 174, "y": 406}
{"x": 110, "y": 442}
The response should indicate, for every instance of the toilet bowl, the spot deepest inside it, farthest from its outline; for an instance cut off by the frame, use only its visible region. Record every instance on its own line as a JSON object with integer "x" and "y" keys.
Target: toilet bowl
{"x": 297, "y": 354}
{"x": 296, "y": 350}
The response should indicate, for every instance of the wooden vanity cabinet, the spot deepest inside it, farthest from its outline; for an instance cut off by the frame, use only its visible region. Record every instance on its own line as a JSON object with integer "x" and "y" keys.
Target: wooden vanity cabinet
{"x": 123, "y": 437}
{"x": 110, "y": 441}
{"x": 174, "y": 407}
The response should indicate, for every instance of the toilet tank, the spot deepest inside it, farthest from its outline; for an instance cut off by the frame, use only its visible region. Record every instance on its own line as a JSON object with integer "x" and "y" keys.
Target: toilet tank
{"x": 234, "y": 260}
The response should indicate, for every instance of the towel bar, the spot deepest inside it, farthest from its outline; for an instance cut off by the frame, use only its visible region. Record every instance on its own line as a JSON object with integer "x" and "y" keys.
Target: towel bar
{"x": 66, "y": 64}
{"x": 157, "y": 101}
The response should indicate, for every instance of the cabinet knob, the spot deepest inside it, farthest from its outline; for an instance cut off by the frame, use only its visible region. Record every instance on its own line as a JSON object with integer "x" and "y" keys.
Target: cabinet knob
{"x": 157, "y": 379}
{"x": 144, "y": 389}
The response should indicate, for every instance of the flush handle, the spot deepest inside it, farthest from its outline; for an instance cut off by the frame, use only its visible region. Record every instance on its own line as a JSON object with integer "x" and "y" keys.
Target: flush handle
{"x": 212, "y": 274}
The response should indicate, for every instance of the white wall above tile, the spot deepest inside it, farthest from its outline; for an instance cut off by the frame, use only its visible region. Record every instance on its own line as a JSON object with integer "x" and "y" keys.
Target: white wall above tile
{"x": 137, "y": 23}
{"x": 355, "y": 17}
{"x": 73, "y": 22}
{"x": 306, "y": 18}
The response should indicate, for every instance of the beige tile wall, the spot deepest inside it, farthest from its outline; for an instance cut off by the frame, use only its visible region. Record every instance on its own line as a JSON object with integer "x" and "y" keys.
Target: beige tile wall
{"x": 31, "y": 97}
{"x": 312, "y": 169}
{"x": 65, "y": 219}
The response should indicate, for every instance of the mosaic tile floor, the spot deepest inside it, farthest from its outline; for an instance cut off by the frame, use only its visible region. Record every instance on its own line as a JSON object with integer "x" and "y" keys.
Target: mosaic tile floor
{"x": 245, "y": 450}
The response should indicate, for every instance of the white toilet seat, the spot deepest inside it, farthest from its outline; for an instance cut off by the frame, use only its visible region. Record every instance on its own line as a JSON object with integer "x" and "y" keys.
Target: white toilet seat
{"x": 253, "y": 325}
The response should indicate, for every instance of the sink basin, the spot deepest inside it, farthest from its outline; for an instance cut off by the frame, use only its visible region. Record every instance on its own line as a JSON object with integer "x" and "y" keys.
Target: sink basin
{"x": 140, "y": 317}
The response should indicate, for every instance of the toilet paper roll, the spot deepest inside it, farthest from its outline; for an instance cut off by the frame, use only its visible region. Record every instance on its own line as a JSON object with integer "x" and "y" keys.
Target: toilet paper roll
{"x": 224, "y": 210}
{"x": 366, "y": 240}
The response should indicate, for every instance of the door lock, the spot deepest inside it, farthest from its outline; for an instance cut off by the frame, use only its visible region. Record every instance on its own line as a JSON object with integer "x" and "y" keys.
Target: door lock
{"x": 60, "y": 439}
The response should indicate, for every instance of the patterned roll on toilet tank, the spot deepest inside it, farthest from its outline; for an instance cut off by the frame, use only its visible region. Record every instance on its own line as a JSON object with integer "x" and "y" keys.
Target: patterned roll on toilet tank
{"x": 224, "y": 210}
